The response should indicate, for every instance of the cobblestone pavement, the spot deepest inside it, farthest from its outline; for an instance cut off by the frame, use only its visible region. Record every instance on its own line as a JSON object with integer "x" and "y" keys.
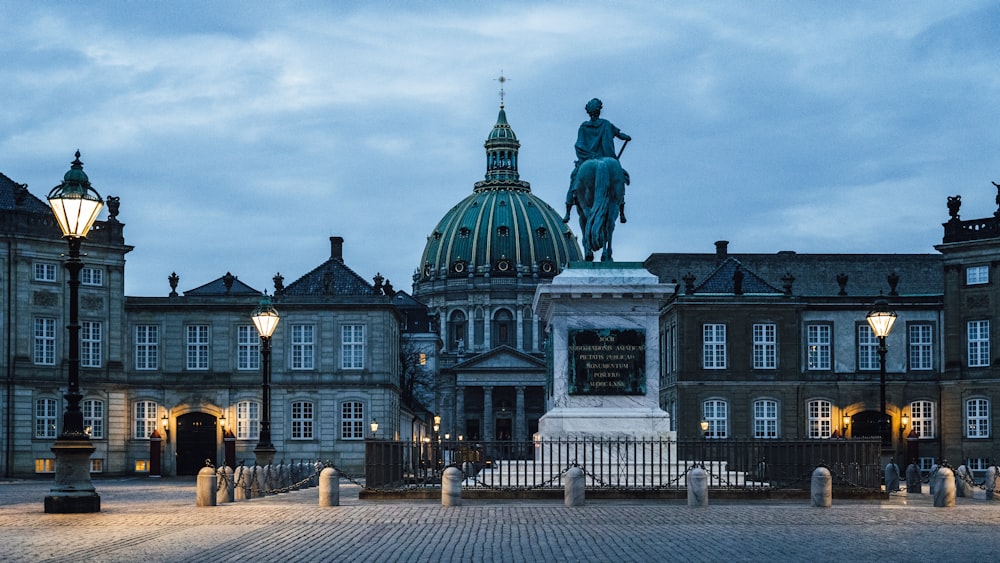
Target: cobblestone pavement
{"x": 156, "y": 520}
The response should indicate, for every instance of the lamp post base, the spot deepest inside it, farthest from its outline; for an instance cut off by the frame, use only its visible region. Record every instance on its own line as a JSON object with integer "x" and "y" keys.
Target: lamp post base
{"x": 73, "y": 492}
{"x": 264, "y": 455}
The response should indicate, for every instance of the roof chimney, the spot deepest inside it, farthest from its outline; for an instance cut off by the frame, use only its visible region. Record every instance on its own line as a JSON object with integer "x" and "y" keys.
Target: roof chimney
{"x": 721, "y": 250}
{"x": 337, "y": 248}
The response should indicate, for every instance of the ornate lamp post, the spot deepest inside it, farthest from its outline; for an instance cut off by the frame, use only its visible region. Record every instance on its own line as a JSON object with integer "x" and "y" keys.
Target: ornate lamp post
{"x": 75, "y": 205}
{"x": 374, "y": 427}
{"x": 265, "y": 318}
{"x": 881, "y": 319}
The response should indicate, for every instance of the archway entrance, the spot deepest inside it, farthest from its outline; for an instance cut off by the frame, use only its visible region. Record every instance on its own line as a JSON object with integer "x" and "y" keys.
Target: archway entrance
{"x": 196, "y": 435}
{"x": 870, "y": 424}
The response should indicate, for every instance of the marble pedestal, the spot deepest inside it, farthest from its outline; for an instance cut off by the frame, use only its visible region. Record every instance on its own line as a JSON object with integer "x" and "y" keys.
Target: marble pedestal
{"x": 604, "y": 300}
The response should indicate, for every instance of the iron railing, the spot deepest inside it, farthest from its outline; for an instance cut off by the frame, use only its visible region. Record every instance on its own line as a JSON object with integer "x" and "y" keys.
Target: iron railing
{"x": 624, "y": 464}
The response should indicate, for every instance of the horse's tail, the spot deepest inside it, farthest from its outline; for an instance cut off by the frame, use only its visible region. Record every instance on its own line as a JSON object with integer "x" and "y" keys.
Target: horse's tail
{"x": 597, "y": 218}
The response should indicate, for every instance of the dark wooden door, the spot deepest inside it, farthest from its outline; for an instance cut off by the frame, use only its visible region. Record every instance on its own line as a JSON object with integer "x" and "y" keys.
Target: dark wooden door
{"x": 196, "y": 442}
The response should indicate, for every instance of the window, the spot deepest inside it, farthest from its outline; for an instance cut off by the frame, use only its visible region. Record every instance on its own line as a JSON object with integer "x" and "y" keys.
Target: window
{"x": 302, "y": 420}
{"x": 352, "y": 421}
{"x": 93, "y": 418}
{"x": 921, "y": 346}
{"x": 979, "y": 343}
{"x": 978, "y": 463}
{"x": 765, "y": 418}
{"x": 145, "y": 419}
{"x": 977, "y": 275}
{"x": 867, "y": 348}
{"x": 247, "y": 420}
{"x": 977, "y": 418}
{"x": 197, "y": 347}
{"x": 922, "y": 418}
{"x": 716, "y": 412}
{"x": 714, "y": 346}
{"x": 45, "y": 342}
{"x": 45, "y": 465}
{"x": 765, "y": 346}
{"x": 46, "y": 411}
{"x": 456, "y": 332}
{"x": 96, "y": 465}
{"x": 92, "y": 276}
{"x": 247, "y": 347}
{"x": 142, "y": 466}
{"x": 818, "y": 344}
{"x": 352, "y": 346}
{"x": 502, "y": 331}
{"x": 90, "y": 344}
{"x": 303, "y": 340}
{"x": 147, "y": 339}
{"x": 45, "y": 272}
{"x": 819, "y": 419}
{"x": 925, "y": 464}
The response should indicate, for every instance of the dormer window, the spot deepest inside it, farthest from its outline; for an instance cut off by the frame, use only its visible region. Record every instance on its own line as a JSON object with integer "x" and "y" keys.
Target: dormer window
{"x": 464, "y": 232}
{"x": 503, "y": 230}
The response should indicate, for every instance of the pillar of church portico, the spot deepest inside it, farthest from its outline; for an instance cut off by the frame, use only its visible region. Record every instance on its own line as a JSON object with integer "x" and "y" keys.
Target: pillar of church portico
{"x": 460, "y": 409}
{"x": 520, "y": 434}
{"x": 489, "y": 424}
{"x": 519, "y": 328}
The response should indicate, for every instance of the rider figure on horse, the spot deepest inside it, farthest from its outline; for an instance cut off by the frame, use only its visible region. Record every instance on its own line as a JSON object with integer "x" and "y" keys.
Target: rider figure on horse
{"x": 596, "y": 138}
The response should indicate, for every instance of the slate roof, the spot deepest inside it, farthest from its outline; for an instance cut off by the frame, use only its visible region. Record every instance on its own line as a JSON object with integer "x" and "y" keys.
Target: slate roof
{"x": 722, "y": 280}
{"x": 217, "y": 287}
{"x": 9, "y": 192}
{"x": 331, "y": 278}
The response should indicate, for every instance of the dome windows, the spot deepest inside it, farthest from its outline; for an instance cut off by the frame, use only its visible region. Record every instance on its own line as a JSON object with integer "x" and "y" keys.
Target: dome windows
{"x": 503, "y": 231}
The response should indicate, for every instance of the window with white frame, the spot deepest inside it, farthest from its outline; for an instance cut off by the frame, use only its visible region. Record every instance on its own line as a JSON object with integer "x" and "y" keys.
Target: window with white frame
{"x": 302, "y": 420}
{"x": 765, "y": 418}
{"x": 144, "y": 421}
{"x": 818, "y": 341}
{"x": 303, "y": 343}
{"x": 92, "y": 276}
{"x": 977, "y": 275}
{"x": 867, "y": 348}
{"x": 921, "y": 342}
{"x": 197, "y": 347}
{"x": 352, "y": 346}
{"x": 977, "y": 418}
{"x": 716, "y": 412}
{"x": 44, "y": 353}
{"x": 978, "y": 463}
{"x": 45, "y": 272}
{"x": 352, "y": 420}
{"x": 147, "y": 347}
{"x": 247, "y": 420}
{"x": 90, "y": 344}
{"x": 820, "y": 419}
{"x": 714, "y": 346}
{"x": 765, "y": 346}
{"x": 247, "y": 348}
{"x": 46, "y": 414}
{"x": 978, "y": 339}
{"x": 922, "y": 418}
{"x": 93, "y": 418}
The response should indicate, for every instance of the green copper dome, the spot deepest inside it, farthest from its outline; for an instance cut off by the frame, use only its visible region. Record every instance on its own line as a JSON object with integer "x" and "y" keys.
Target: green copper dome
{"x": 501, "y": 229}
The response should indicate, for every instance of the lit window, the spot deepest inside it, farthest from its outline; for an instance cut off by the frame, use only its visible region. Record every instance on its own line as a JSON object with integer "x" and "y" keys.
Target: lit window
{"x": 765, "y": 418}
{"x": 352, "y": 421}
{"x": 978, "y": 343}
{"x": 142, "y": 466}
{"x": 921, "y": 346}
{"x": 302, "y": 420}
{"x": 197, "y": 347}
{"x": 423, "y": 359}
{"x": 868, "y": 358}
{"x": 352, "y": 347}
{"x": 922, "y": 418}
{"x": 45, "y": 342}
{"x": 96, "y": 465}
{"x": 90, "y": 344}
{"x": 303, "y": 340}
{"x": 818, "y": 345}
{"x": 93, "y": 418}
{"x": 45, "y": 465}
{"x": 45, "y": 272}
{"x": 820, "y": 420}
{"x": 247, "y": 420}
{"x": 247, "y": 347}
{"x": 46, "y": 413}
{"x": 765, "y": 346}
{"x": 714, "y": 346}
{"x": 145, "y": 419}
{"x": 977, "y": 418}
{"x": 716, "y": 413}
{"x": 977, "y": 275}
{"x": 147, "y": 341}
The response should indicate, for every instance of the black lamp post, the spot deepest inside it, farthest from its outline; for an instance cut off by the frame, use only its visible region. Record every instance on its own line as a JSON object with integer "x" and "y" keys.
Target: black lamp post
{"x": 881, "y": 319}
{"x": 75, "y": 205}
{"x": 265, "y": 318}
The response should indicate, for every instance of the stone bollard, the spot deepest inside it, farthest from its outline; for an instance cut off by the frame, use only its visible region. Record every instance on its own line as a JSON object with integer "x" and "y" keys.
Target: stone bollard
{"x": 891, "y": 477}
{"x": 240, "y": 484}
{"x": 329, "y": 487}
{"x": 944, "y": 488}
{"x": 697, "y": 485}
{"x": 451, "y": 487}
{"x": 256, "y": 480}
{"x": 932, "y": 478}
{"x": 574, "y": 491}
{"x": 962, "y": 477}
{"x": 225, "y": 480}
{"x": 913, "y": 479}
{"x": 205, "y": 492}
{"x": 822, "y": 488}
{"x": 993, "y": 483}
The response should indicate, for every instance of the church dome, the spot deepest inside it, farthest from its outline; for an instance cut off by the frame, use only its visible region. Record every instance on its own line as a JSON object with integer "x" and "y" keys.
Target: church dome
{"x": 501, "y": 229}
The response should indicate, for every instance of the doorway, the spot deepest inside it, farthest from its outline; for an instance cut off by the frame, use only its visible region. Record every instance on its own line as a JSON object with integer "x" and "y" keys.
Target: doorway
{"x": 196, "y": 442}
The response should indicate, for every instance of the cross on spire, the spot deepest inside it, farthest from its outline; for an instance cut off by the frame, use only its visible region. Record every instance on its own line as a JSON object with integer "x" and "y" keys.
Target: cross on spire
{"x": 502, "y": 80}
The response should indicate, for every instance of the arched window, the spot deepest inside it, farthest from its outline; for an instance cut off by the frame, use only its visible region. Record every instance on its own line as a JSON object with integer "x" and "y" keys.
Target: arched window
{"x": 819, "y": 413}
{"x": 457, "y": 336}
{"x": 765, "y": 418}
{"x": 502, "y": 330}
{"x": 977, "y": 418}
{"x": 716, "y": 412}
{"x": 247, "y": 420}
{"x": 922, "y": 418}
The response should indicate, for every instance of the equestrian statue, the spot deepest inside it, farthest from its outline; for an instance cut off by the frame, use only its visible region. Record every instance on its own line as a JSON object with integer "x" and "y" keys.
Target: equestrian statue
{"x": 597, "y": 183}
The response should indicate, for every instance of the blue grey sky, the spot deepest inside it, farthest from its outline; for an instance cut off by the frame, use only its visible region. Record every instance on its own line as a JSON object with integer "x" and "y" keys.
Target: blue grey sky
{"x": 240, "y": 135}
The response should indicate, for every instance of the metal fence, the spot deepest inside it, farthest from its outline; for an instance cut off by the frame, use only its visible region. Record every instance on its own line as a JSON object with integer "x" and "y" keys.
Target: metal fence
{"x": 624, "y": 464}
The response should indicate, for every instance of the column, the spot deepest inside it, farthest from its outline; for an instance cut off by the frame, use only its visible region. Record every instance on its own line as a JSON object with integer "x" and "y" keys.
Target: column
{"x": 520, "y": 424}
{"x": 489, "y": 424}
{"x": 459, "y": 410}
{"x": 519, "y": 339}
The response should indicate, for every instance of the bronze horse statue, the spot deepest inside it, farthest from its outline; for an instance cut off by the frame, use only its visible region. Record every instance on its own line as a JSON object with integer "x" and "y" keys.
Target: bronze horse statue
{"x": 599, "y": 193}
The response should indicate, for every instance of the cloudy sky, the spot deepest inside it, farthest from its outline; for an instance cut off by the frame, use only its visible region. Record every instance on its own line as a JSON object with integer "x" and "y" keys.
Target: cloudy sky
{"x": 240, "y": 136}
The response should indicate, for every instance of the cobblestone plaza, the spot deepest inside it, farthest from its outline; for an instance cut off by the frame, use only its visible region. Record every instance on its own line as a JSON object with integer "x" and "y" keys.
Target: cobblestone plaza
{"x": 156, "y": 520}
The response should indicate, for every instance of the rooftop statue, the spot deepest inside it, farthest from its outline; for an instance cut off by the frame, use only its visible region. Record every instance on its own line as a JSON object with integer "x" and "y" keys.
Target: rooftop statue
{"x": 597, "y": 183}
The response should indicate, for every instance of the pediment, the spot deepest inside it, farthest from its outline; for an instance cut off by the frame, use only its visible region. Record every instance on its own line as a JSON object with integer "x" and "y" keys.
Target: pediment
{"x": 501, "y": 358}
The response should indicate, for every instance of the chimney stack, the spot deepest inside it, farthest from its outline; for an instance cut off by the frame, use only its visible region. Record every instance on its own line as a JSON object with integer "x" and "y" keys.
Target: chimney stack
{"x": 337, "y": 248}
{"x": 721, "y": 250}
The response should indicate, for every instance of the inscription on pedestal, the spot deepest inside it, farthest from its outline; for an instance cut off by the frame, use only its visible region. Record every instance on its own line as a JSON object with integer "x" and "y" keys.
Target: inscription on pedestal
{"x": 607, "y": 361}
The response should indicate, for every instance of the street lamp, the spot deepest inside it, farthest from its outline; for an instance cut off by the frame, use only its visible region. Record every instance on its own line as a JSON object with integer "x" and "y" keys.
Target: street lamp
{"x": 265, "y": 318}
{"x": 881, "y": 319}
{"x": 704, "y": 440}
{"x": 846, "y": 419}
{"x": 374, "y": 427}
{"x": 75, "y": 205}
